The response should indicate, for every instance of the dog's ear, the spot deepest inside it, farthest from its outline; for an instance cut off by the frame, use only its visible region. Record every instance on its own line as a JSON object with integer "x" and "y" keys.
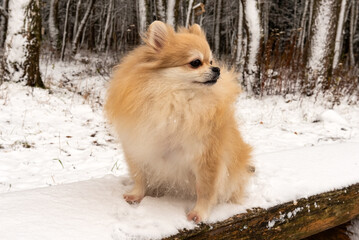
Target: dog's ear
{"x": 196, "y": 29}
{"x": 158, "y": 35}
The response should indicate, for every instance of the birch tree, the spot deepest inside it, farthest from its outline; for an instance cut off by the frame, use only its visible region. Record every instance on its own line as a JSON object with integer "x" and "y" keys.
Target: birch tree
{"x": 107, "y": 25}
{"x": 54, "y": 26}
{"x": 354, "y": 12}
{"x": 160, "y": 8}
{"x": 253, "y": 29}
{"x": 217, "y": 27}
{"x": 339, "y": 35}
{"x": 239, "y": 33}
{"x": 189, "y": 11}
{"x": 22, "y": 46}
{"x": 142, "y": 14}
{"x": 3, "y": 21}
{"x": 64, "y": 37}
{"x": 81, "y": 27}
{"x": 321, "y": 48}
{"x": 171, "y": 12}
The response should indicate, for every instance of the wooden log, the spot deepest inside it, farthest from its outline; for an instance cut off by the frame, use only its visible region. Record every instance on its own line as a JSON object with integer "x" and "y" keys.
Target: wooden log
{"x": 292, "y": 220}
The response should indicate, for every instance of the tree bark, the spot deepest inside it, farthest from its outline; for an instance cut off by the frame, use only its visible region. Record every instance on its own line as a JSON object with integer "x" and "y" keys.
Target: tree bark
{"x": 54, "y": 26}
{"x": 189, "y": 11}
{"x": 352, "y": 33}
{"x": 81, "y": 27}
{"x": 160, "y": 10}
{"x": 339, "y": 35}
{"x": 303, "y": 31}
{"x": 3, "y": 22}
{"x": 239, "y": 33}
{"x": 217, "y": 28}
{"x": 253, "y": 29}
{"x": 65, "y": 31}
{"x": 107, "y": 26}
{"x": 22, "y": 48}
{"x": 142, "y": 14}
{"x": 292, "y": 220}
{"x": 321, "y": 47}
{"x": 77, "y": 16}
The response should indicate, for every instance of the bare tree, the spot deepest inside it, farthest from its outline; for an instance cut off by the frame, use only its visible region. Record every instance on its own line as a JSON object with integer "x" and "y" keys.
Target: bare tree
{"x": 320, "y": 55}
{"x": 253, "y": 29}
{"x": 217, "y": 27}
{"x": 3, "y": 21}
{"x": 77, "y": 17}
{"x": 54, "y": 26}
{"x": 107, "y": 25}
{"x": 22, "y": 48}
{"x": 339, "y": 35}
{"x": 160, "y": 8}
{"x": 65, "y": 31}
{"x": 352, "y": 28}
{"x": 81, "y": 27}
{"x": 142, "y": 14}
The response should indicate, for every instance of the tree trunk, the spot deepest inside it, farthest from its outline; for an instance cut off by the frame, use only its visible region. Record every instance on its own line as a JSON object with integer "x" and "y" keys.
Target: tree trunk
{"x": 81, "y": 27}
{"x": 65, "y": 31}
{"x": 292, "y": 220}
{"x": 171, "y": 8}
{"x": 321, "y": 47}
{"x": 352, "y": 33}
{"x": 253, "y": 30}
{"x": 107, "y": 26}
{"x": 339, "y": 35}
{"x": 239, "y": 33}
{"x": 303, "y": 27}
{"x": 160, "y": 10}
{"x": 22, "y": 48}
{"x": 77, "y": 16}
{"x": 142, "y": 14}
{"x": 217, "y": 30}
{"x": 3, "y": 23}
{"x": 54, "y": 26}
{"x": 189, "y": 11}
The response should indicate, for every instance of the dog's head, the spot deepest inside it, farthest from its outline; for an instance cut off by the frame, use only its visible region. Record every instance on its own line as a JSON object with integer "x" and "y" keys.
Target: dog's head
{"x": 183, "y": 58}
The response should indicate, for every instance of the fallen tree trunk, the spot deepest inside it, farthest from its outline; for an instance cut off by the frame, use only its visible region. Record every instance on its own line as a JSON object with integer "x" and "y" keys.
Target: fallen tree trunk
{"x": 291, "y": 220}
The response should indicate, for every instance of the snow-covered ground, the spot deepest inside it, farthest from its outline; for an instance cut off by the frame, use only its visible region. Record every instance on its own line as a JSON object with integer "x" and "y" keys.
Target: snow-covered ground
{"x": 56, "y": 136}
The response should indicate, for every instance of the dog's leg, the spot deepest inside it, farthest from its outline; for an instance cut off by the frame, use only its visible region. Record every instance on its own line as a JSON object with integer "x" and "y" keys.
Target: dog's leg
{"x": 207, "y": 177}
{"x": 139, "y": 188}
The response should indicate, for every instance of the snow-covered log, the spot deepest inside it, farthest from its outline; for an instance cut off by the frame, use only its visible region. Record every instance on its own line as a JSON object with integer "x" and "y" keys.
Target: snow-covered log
{"x": 22, "y": 46}
{"x": 253, "y": 28}
{"x": 292, "y": 220}
{"x": 321, "y": 47}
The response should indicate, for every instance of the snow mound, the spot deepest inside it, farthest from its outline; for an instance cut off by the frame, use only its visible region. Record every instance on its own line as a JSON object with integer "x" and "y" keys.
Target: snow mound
{"x": 95, "y": 209}
{"x": 331, "y": 116}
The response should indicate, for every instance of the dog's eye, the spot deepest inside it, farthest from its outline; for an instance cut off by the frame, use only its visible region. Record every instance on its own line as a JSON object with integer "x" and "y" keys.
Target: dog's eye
{"x": 211, "y": 62}
{"x": 196, "y": 63}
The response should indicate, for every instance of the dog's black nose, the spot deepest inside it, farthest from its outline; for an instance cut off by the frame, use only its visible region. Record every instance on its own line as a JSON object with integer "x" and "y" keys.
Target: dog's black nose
{"x": 216, "y": 70}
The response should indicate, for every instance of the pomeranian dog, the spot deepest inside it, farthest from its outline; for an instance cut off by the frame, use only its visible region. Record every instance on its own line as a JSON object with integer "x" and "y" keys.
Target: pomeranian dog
{"x": 172, "y": 108}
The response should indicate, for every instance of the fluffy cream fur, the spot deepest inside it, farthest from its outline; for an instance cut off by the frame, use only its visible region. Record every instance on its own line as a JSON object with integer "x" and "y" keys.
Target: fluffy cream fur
{"x": 179, "y": 135}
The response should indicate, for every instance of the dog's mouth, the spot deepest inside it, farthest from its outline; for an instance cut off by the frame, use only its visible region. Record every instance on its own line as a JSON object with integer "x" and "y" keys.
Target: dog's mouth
{"x": 209, "y": 82}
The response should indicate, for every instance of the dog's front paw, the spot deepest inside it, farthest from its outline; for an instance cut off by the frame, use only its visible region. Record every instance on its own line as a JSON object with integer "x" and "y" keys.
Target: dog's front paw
{"x": 132, "y": 198}
{"x": 194, "y": 216}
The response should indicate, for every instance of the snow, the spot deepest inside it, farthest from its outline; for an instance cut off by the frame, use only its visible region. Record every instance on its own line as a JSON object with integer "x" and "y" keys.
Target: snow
{"x": 96, "y": 209}
{"x": 59, "y": 138}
